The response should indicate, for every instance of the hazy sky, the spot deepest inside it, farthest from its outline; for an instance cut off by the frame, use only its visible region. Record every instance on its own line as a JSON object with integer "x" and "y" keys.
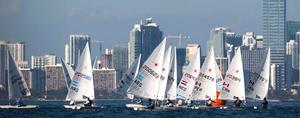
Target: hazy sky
{"x": 45, "y": 25}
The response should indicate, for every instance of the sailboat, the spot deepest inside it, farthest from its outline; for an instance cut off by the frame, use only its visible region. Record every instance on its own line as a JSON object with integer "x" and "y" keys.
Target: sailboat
{"x": 172, "y": 78}
{"x": 147, "y": 80}
{"x": 68, "y": 72}
{"x": 257, "y": 88}
{"x": 205, "y": 86}
{"x": 82, "y": 85}
{"x": 17, "y": 87}
{"x": 129, "y": 77}
{"x": 164, "y": 75}
{"x": 233, "y": 84}
{"x": 188, "y": 80}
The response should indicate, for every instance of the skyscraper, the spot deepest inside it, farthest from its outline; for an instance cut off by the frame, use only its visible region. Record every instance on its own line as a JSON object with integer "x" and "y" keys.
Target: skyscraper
{"x": 41, "y": 61}
{"x": 17, "y": 51}
{"x": 76, "y": 46}
{"x": 292, "y": 62}
{"x": 217, "y": 39}
{"x": 181, "y": 61}
{"x": 120, "y": 60}
{"x": 106, "y": 60}
{"x": 144, "y": 37}
{"x": 274, "y": 31}
{"x": 292, "y": 28}
{"x": 3, "y": 62}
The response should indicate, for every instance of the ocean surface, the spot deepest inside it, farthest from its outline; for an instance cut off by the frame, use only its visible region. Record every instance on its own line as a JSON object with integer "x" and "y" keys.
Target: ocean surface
{"x": 116, "y": 108}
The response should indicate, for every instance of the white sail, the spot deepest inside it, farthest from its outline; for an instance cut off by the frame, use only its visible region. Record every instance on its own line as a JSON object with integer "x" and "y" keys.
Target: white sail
{"x": 190, "y": 74}
{"x": 219, "y": 78}
{"x": 233, "y": 83}
{"x": 205, "y": 86}
{"x": 172, "y": 78}
{"x": 17, "y": 86}
{"x": 258, "y": 85}
{"x": 129, "y": 76}
{"x": 164, "y": 74}
{"x": 147, "y": 81}
{"x": 68, "y": 72}
{"x": 82, "y": 85}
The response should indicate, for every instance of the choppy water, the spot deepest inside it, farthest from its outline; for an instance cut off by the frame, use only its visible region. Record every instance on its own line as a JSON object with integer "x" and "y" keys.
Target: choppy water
{"x": 116, "y": 108}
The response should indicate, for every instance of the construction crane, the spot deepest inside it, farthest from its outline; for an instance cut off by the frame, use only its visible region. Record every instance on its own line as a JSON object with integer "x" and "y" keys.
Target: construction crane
{"x": 179, "y": 37}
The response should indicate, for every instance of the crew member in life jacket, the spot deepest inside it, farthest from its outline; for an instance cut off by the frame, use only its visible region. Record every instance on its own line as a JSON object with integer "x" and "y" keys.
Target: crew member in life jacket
{"x": 19, "y": 103}
{"x": 264, "y": 103}
{"x": 88, "y": 102}
{"x": 151, "y": 104}
{"x": 237, "y": 102}
{"x": 209, "y": 102}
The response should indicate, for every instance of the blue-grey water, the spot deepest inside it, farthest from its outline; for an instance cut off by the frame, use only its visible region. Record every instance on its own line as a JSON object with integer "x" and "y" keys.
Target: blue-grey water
{"x": 116, "y": 108}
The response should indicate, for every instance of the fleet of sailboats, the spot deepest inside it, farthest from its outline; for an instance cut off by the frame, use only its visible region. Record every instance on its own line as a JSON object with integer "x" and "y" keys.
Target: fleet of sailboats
{"x": 157, "y": 79}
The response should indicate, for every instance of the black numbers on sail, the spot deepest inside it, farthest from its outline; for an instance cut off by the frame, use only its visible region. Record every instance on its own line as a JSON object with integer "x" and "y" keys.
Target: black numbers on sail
{"x": 74, "y": 88}
{"x": 182, "y": 88}
{"x": 138, "y": 83}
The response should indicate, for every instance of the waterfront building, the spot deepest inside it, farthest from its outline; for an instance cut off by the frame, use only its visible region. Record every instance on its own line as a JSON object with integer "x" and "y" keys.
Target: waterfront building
{"x": 106, "y": 60}
{"x": 104, "y": 81}
{"x": 76, "y": 46}
{"x": 181, "y": 61}
{"x": 292, "y": 63}
{"x": 120, "y": 61}
{"x": 217, "y": 39}
{"x": 292, "y": 28}
{"x": 38, "y": 82}
{"x": 55, "y": 82}
{"x": 41, "y": 61}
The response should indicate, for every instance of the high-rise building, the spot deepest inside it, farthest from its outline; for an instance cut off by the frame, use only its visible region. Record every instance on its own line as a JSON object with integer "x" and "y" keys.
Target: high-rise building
{"x": 17, "y": 51}
{"x": 106, "y": 60}
{"x": 292, "y": 28}
{"x": 120, "y": 60}
{"x": 273, "y": 77}
{"x": 191, "y": 50}
{"x": 3, "y": 62}
{"x": 76, "y": 46}
{"x": 144, "y": 37}
{"x": 55, "y": 83}
{"x": 38, "y": 82}
{"x": 181, "y": 61}
{"x": 217, "y": 40}
{"x": 252, "y": 58}
{"x": 274, "y": 32}
{"x": 292, "y": 63}
{"x": 40, "y": 61}
{"x": 67, "y": 54}
{"x": 104, "y": 81}
{"x": 233, "y": 39}
{"x": 297, "y": 39}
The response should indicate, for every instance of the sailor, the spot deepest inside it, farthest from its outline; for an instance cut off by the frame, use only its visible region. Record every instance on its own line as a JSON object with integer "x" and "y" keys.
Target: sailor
{"x": 140, "y": 101}
{"x": 157, "y": 104}
{"x": 179, "y": 102}
{"x": 188, "y": 103}
{"x": 88, "y": 102}
{"x": 264, "y": 103}
{"x": 19, "y": 103}
{"x": 151, "y": 104}
{"x": 169, "y": 103}
{"x": 209, "y": 102}
{"x": 237, "y": 102}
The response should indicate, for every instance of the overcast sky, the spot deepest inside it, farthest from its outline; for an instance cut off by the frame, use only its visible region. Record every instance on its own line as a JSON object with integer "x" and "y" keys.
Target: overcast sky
{"x": 45, "y": 25}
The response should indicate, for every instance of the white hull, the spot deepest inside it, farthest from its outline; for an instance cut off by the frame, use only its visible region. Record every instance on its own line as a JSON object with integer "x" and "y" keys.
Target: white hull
{"x": 81, "y": 106}
{"x": 16, "y": 107}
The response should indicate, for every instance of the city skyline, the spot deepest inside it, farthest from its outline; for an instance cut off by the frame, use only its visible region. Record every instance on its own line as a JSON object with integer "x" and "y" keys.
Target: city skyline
{"x": 45, "y": 26}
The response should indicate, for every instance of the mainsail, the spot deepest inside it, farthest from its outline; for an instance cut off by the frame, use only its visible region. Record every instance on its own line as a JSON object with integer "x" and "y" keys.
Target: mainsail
{"x": 68, "y": 72}
{"x": 258, "y": 85}
{"x": 17, "y": 86}
{"x": 82, "y": 85}
{"x": 172, "y": 78}
{"x": 164, "y": 74}
{"x": 187, "y": 82}
{"x": 129, "y": 76}
{"x": 233, "y": 84}
{"x": 147, "y": 81}
{"x": 205, "y": 86}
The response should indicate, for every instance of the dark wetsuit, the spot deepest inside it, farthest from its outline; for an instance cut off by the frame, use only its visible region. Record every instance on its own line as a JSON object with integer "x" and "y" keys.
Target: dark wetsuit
{"x": 237, "y": 103}
{"x": 264, "y": 103}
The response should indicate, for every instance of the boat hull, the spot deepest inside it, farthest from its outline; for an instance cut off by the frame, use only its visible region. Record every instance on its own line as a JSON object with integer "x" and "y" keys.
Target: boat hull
{"x": 16, "y": 107}
{"x": 218, "y": 103}
{"x": 81, "y": 106}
